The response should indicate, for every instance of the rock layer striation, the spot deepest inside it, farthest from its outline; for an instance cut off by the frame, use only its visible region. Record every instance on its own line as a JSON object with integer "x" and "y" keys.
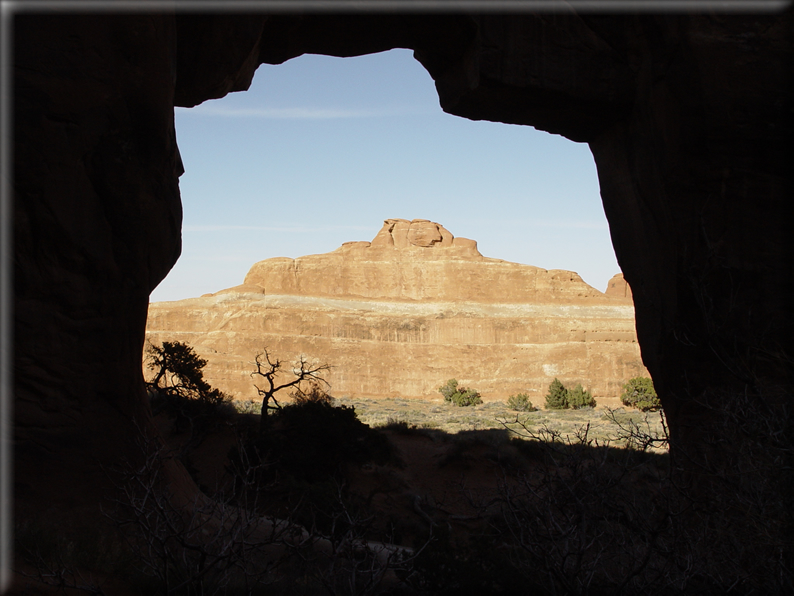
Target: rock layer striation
{"x": 400, "y": 315}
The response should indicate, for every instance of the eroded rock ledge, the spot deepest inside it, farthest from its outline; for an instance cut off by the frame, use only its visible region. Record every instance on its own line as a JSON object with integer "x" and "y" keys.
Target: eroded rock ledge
{"x": 400, "y": 315}
{"x": 416, "y": 260}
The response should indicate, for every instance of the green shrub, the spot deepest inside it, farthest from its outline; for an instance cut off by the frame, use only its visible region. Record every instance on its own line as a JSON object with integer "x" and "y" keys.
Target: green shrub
{"x": 460, "y": 396}
{"x": 520, "y": 403}
{"x": 560, "y": 398}
{"x": 579, "y": 398}
{"x": 448, "y": 389}
{"x": 639, "y": 393}
{"x": 557, "y": 397}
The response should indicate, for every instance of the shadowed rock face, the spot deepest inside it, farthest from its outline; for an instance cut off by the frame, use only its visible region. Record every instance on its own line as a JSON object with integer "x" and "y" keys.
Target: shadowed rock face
{"x": 688, "y": 118}
{"x": 618, "y": 288}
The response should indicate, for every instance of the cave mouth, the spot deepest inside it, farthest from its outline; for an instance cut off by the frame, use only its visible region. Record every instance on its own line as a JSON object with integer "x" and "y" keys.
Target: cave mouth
{"x": 320, "y": 150}
{"x": 655, "y": 96}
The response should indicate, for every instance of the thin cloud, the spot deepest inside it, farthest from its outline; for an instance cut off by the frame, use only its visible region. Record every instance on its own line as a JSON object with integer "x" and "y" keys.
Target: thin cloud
{"x": 562, "y": 224}
{"x": 295, "y": 113}
{"x": 547, "y": 223}
{"x": 580, "y": 225}
{"x": 285, "y": 229}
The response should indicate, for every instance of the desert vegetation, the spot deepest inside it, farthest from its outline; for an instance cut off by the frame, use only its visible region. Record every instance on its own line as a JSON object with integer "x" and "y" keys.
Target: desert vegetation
{"x": 342, "y": 496}
{"x": 520, "y": 403}
{"x": 460, "y": 396}
{"x": 179, "y": 391}
{"x": 560, "y": 398}
{"x": 639, "y": 393}
{"x": 302, "y": 374}
{"x": 605, "y": 424}
{"x": 179, "y": 377}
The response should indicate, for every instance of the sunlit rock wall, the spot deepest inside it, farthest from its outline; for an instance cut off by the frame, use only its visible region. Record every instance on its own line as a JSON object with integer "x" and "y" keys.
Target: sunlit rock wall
{"x": 399, "y": 316}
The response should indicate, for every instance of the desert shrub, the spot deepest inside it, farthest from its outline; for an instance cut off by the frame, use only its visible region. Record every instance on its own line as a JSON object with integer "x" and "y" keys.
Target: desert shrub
{"x": 639, "y": 393}
{"x": 600, "y": 520}
{"x": 312, "y": 392}
{"x": 635, "y": 431}
{"x": 315, "y": 436}
{"x": 560, "y": 398}
{"x": 311, "y": 441}
{"x": 448, "y": 389}
{"x": 578, "y": 398}
{"x": 520, "y": 403}
{"x": 217, "y": 545}
{"x": 530, "y": 449}
{"x": 460, "y": 396}
{"x": 248, "y": 406}
{"x": 178, "y": 388}
{"x": 301, "y": 461}
{"x": 586, "y": 519}
{"x": 557, "y": 397}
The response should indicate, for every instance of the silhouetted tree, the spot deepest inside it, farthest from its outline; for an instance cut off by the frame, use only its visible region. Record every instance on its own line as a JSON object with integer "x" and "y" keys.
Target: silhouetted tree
{"x": 179, "y": 389}
{"x": 179, "y": 373}
{"x": 302, "y": 371}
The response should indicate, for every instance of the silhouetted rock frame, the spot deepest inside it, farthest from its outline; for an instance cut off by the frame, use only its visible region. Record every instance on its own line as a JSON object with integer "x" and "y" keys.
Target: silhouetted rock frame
{"x": 688, "y": 117}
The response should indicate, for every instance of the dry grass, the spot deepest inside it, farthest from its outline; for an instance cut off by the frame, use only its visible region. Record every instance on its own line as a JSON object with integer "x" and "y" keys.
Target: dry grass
{"x": 438, "y": 414}
{"x": 560, "y": 513}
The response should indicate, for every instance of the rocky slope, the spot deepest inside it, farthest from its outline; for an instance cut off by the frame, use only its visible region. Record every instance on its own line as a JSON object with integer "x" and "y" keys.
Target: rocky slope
{"x": 400, "y": 315}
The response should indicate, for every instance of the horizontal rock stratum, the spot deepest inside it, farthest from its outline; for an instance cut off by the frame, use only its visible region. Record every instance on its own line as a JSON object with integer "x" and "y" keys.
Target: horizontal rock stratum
{"x": 398, "y": 316}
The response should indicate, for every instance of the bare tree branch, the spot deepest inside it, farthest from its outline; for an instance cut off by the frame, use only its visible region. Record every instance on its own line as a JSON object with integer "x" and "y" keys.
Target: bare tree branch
{"x": 269, "y": 369}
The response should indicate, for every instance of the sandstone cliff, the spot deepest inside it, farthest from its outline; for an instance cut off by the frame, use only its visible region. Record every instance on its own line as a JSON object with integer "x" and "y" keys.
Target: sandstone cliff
{"x": 618, "y": 287}
{"x": 400, "y": 315}
{"x": 417, "y": 260}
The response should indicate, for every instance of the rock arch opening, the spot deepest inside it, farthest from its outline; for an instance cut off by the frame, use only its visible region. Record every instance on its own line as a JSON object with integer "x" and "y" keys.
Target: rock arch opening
{"x": 688, "y": 118}
{"x": 316, "y": 153}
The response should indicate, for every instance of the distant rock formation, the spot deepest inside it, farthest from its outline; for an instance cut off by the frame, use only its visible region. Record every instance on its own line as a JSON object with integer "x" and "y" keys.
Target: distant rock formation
{"x": 416, "y": 260}
{"x": 618, "y": 287}
{"x": 400, "y": 315}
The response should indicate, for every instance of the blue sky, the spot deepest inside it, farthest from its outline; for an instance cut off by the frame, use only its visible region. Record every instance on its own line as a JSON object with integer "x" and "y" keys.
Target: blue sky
{"x": 321, "y": 150}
